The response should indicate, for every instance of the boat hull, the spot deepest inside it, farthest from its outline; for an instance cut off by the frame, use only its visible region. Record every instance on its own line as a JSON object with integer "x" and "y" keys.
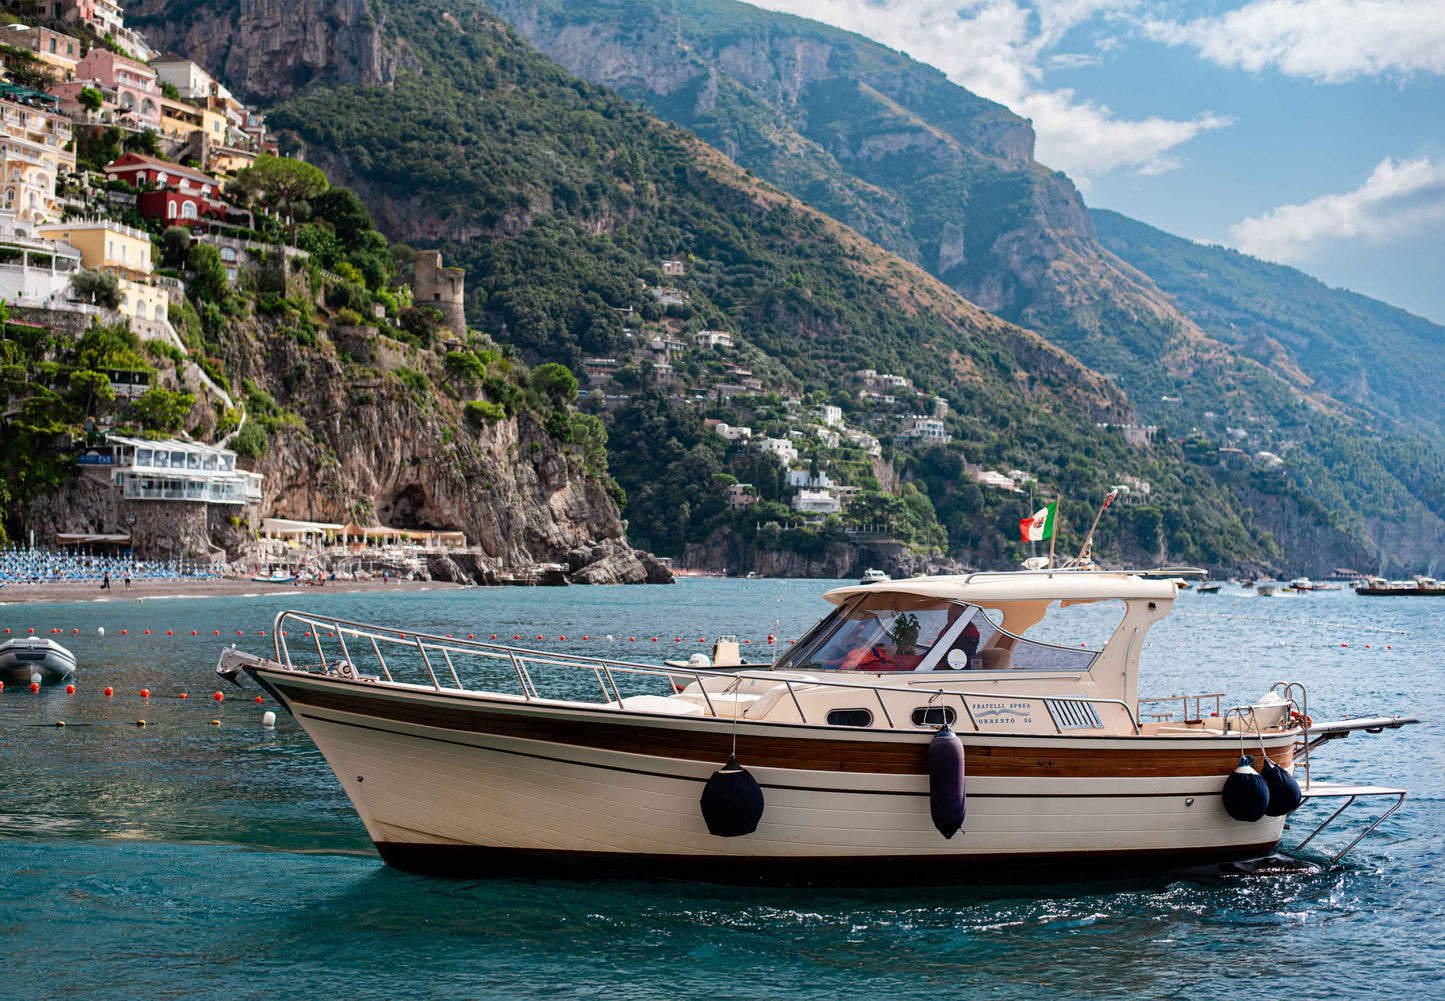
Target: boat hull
{"x": 42, "y": 661}
{"x": 467, "y": 785}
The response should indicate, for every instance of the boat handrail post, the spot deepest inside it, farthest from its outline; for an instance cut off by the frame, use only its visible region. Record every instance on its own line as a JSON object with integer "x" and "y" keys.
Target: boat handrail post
{"x": 316, "y": 635}
{"x": 527, "y": 695}
{"x": 601, "y": 684}
{"x": 452, "y": 667}
{"x": 382, "y": 660}
{"x": 341, "y": 635}
{"x": 969, "y": 710}
{"x": 887, "y": 716}
{"x": 1286, "y": 691}
{"x": 802, "y": 715}
{"x": 278, "y": 639}
{"x": 705, "y": 697}
{"x": 607, "y": 669}
{"x": 427, "y": 661}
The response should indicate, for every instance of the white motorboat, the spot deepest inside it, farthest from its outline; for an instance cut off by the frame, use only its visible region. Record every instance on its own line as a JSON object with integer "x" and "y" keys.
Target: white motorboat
{"x": 872, "y": 576}
{"x": 275, "y": 577}
{"x": 916, "y": 734}
{"x": 35, "y": 660}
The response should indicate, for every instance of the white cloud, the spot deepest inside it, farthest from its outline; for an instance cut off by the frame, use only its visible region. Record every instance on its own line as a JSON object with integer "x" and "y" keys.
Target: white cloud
{"x": 999, "y": 49}
{"x": 1329, "y": 41}
{"x": 1396, "y": 200}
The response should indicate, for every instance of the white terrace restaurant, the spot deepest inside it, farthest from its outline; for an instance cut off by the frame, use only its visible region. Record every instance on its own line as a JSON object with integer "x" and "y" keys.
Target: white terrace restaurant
{"x": 355, "y": 538}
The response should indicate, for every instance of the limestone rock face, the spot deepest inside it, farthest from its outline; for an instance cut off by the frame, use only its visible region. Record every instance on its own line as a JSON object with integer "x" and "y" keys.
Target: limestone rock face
{"x": 267, "y": 50}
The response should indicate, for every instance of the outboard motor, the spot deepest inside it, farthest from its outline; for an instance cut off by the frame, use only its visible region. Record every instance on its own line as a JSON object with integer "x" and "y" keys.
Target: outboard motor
{"x": 946, "y": 798}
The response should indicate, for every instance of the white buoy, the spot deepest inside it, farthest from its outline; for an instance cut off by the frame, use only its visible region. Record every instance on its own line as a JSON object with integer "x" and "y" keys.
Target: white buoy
{"x": 268, "y": 719}
{"x": 101, "y": 631}
{"x": 609, "y": 637}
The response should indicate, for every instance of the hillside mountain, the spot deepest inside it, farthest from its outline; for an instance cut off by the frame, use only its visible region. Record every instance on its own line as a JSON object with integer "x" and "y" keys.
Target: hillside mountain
{"x": 947, "y": 180}
{"x": 1354, "y": 348}
{"x": 561, "y": 197}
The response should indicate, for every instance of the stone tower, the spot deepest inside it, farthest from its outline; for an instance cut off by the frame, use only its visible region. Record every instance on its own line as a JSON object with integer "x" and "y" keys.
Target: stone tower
{"x": 441, "y": 289}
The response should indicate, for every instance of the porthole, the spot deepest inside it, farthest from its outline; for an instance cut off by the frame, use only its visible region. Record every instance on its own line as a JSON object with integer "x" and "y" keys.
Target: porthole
{"x": 934, "y": 716}
{"x": 850, "y": 717}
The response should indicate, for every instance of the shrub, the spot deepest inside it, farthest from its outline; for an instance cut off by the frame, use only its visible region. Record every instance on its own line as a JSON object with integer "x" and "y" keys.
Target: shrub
{"x": 251, "y": 441}
{"x": 349, "y": 318}
{"x": 99, "y": 287}
{"x": 480, "y": 413}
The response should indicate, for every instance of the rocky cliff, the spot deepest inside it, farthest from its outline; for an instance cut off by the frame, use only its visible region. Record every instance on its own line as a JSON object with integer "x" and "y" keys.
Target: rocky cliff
{"x": 267, "y": 50}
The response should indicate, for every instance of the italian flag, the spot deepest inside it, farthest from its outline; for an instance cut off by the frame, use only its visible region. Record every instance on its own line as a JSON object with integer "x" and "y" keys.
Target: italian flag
{"x": 1041, "y": 525}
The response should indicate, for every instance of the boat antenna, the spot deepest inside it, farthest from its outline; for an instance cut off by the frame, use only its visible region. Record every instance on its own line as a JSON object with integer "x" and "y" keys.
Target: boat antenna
{"x": 1089, "y": 539}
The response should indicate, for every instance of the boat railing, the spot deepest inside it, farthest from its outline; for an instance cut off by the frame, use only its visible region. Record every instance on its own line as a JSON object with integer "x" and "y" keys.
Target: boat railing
{"x": 1184, "y": 701}
{"x": 434, "y": 655}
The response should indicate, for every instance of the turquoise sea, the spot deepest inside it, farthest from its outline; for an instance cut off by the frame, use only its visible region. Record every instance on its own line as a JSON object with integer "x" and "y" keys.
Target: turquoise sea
{"x": 186, "y": 859}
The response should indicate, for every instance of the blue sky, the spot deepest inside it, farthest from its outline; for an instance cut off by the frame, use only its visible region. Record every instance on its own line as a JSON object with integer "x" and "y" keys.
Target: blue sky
{"x": 1308, "y": 132}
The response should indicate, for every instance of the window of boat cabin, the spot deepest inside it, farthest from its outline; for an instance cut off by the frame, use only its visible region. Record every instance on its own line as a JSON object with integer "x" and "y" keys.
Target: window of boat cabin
{"x": 892, "y": 632}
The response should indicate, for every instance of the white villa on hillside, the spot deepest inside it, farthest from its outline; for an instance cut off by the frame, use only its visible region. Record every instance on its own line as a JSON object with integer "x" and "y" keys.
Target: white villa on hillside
{"x": 173, "y": 470}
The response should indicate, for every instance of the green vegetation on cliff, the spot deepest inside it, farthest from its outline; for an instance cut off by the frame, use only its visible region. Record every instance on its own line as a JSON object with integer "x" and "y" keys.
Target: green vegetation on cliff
{"x": 562, "y": 198}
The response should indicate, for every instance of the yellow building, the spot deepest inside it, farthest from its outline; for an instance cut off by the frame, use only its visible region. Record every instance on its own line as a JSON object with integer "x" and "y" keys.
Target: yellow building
{"x": 32, "y": 157}
{"x": 142, "y": 301}
{"x": 230, "y": 160}
{"x": 105, "y": 245}
{"x": 57, "y": 51}
{"x": 180, "y": 119}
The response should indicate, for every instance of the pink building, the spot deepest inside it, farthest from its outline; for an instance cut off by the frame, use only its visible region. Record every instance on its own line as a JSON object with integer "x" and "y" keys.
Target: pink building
{"x": 137, "y": 95}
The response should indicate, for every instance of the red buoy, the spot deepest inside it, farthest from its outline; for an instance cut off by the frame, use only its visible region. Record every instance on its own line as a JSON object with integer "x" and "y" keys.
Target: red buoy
{"x": 218, "y": 696}
{"x": 122, "y": 632}
{"x": 193, "y": 632}
{"x": 109, "y": 691}
{"x": 258, "y": 698}
{"x": 69, "y": 689}
{"x": 218, "y": 632}
{"x": 145, "y": 693}
{"x": 183, "y": 695}
{"x": 35, "y": 686}
{"x": 168, "y": 632}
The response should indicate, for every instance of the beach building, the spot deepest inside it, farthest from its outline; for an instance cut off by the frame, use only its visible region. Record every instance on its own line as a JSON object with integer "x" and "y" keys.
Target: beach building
{"x": 816, "y": 502}
{"x": 33, "y": 271}
{"x": 740, "y": 495}
{"x": 442, "y": 289}
{"x": 800, "y": 478}
{"x": 33, "y": 139}
{"x": 180, "y": 118}
{"x": 106, "y": 245}
{"x": 57, "y": 51}
{"x": 786, "y": 452}
{"x": 137, "y": 94}
{"x": 733, "y": 432}
{"x": 926, "y": 430}
{"x": 713, "y": 339}
{"x": 174, "y": 470}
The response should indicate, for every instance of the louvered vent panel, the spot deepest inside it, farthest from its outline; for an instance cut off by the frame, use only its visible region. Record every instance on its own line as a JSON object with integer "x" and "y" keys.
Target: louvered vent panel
{"x": 1069, "y": 715}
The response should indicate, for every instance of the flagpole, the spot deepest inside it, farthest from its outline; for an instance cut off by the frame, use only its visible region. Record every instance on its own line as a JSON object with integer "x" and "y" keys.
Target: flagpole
{"x": 1052, "y": 536}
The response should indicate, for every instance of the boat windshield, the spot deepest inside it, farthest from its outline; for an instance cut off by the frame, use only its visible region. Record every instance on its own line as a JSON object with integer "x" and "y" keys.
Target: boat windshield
{"x": 899, "y": 632}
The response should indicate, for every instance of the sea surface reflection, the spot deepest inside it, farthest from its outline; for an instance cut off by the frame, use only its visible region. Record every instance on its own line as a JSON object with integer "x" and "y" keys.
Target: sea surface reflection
{"x": 223, "y": 860}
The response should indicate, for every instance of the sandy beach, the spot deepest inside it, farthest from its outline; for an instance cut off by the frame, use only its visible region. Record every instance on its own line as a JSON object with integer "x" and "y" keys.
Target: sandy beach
{"x": 69, "y": 591}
